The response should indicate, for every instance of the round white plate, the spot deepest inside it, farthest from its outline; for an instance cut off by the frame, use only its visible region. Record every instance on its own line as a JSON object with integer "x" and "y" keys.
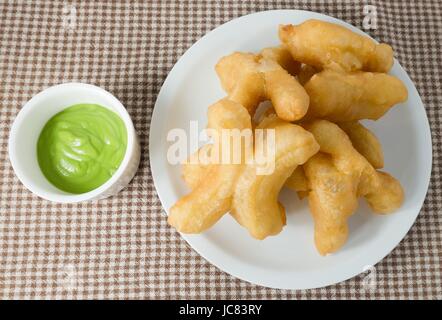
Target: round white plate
{"x": 288, "y": 260}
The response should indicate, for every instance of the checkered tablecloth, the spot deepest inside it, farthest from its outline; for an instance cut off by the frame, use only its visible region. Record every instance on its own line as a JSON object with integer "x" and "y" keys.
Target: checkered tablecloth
{"x": 122, "y": 247}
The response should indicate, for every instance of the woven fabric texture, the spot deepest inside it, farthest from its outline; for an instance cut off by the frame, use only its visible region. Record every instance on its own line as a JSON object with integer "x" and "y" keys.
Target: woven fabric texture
{"x": 122, "y": 247}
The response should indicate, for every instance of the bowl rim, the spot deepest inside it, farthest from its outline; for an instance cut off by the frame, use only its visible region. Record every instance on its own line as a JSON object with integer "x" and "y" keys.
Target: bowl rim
{"x": 65, "y": 197}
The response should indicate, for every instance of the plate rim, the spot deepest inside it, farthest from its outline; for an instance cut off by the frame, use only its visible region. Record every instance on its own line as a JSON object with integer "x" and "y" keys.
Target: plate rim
{"x": 155, "y": 126}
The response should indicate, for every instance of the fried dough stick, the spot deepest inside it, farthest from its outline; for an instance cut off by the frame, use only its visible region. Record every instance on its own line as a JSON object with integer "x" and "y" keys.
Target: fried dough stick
{"x": 365, "y": 142}
{"x": 250, "y": 79}
{"x": 340, "y": 97}
{"x": 337, "y": 176}
{"x": 194, "y": 169}
{"x": 255, "y": 200}
{"x": 327, "y": 45}
{"x": 332, "y": 200}
{"x": 211, "y": 197}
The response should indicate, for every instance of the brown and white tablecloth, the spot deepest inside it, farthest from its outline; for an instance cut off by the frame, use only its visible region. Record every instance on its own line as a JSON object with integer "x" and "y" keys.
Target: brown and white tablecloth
{"x": 122, "y": 247}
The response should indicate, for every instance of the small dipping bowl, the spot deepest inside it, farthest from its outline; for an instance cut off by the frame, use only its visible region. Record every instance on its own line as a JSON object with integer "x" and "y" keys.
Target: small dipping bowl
{"x": 32, "y": 118}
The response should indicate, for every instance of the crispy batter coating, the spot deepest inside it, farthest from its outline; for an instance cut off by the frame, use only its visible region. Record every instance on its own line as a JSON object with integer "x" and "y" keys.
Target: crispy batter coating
{"x": 250, "y": 79}
{"x": 332, "y": 199}
{"x": 336, "y": 178}
{"x": 255, "y": 200}
{"x": 331, "y": 46}
{"x": 339, "y": 97}
{"x": 385, "y": 195}
{"x": 194, "y": 169}
{"x": 365, "y": 142}
{"x": 298, "y": 182}
{"x": 212, "y": 197}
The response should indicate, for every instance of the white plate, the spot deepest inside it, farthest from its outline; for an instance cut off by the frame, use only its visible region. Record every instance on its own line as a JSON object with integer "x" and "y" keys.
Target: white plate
{"x": 288, "y": 260}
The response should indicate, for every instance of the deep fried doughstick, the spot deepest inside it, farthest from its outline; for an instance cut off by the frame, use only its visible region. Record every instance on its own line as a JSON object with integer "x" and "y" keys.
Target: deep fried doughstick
{"x": 339, "y": 97}
{"x": 337, "y": 179}
{"x": 372, "y": 183}
{"x": 212, "y": 198}
{"x": 365, "y": 142}
{"x": 332, "y": 200}
{"x": 362, "y": 139}
{"x": 250, "y": 79}
{"x": 255, "y": 201}
{"x": 330, "y": 46}
{"x": 298, "y": 182}
{"x": 194, "y": 170}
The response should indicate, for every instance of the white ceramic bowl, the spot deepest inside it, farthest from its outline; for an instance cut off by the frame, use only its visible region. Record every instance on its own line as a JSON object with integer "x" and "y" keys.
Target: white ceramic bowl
{"x": 31, "y": 120}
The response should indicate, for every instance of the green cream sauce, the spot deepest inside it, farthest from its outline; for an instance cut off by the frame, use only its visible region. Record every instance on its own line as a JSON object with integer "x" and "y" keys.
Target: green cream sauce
{"x": 81, "y": 147}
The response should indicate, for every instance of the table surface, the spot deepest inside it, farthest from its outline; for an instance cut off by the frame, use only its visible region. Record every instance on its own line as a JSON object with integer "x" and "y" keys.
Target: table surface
{"x": 122, "y": 247}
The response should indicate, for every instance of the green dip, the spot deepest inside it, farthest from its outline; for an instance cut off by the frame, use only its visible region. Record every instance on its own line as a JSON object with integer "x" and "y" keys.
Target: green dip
{"x": 81, "y": 147}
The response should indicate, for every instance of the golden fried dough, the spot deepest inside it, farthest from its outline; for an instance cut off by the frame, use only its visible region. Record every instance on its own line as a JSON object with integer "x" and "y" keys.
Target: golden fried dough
{"x": 250, "y": 79}
{"x": 331, "y": 46}
{"x": 282, "y": 57}
{"x": 336, "y": 179}
{"x": 255, "y": 201}
{"x": 365, "y": 142}
{"x": 386, "y": 195}
{"x": 212, "y": 197}
{"x": 194, "y": 169}
{"x": 298, "y": 182}
{"x": 339, "y": 97}
{"x": 332, "y": 200}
